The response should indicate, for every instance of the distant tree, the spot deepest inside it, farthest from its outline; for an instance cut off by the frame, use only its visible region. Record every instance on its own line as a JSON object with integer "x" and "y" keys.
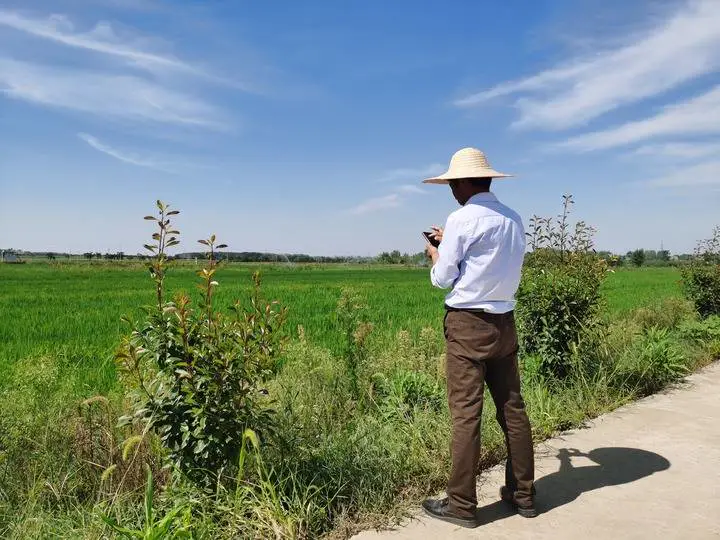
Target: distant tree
{"x": 88, "y": 255}
{"x": 51, "y": 256}
{"x": 637, "y": 257}
{"x": 664, "y": 255}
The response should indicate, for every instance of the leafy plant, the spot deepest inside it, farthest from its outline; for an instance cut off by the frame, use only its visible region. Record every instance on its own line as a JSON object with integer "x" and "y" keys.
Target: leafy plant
{"x": 701, "y": 278}
{"x": 637, "y": 257}
{"x": 559, "y": 295}
{"x": 198, "y": 371}
{"x": 654, "y": 361}
{"x": 173, "y": 525}
{"x": 404, "y": 391}
{"x": 350, "y": 319}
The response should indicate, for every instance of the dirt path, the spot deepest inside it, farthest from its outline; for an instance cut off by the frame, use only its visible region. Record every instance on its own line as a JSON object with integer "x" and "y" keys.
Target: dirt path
{"x": 648, "y": 470}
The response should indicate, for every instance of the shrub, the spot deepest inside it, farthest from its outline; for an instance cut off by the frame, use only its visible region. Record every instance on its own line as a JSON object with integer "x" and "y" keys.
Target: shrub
{"x": 701, "y": 278}
{"x": 655, "y": 361}
{"x": 198, "y": 372}
{"x": 404, "y": 391}
{"x": 668, "y": 313}
{"x": 559, "y": 295}
{"x": 637, "y": 257}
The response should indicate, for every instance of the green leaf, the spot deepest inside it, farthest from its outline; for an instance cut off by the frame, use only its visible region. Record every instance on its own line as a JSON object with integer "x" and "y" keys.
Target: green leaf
{"x": 173, "y": 213}
{"x": 149, "y": 492}
{"x": 204, "y": 242}
{"x": 150, "y": 218}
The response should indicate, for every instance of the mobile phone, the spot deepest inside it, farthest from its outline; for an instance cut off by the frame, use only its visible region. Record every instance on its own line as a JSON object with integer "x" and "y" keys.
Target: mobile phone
{"x": 429, "y": 238}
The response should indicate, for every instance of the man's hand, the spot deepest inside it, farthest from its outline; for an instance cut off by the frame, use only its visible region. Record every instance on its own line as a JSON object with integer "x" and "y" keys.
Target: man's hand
{"x": 437, "y": 233}
{"x": 432, "y": 252}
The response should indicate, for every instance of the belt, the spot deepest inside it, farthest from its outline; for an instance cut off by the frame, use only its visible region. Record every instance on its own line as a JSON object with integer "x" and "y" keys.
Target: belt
{"x": 469, "y": 310}
{"x": 475, "y": 310}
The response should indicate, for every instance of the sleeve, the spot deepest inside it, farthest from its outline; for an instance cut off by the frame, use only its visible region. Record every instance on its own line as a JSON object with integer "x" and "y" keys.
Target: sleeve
{"x": 451, "y": 253}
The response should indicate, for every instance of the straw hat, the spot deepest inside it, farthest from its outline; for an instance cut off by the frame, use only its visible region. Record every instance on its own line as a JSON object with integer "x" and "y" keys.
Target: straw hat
{"x": 467, "y": 163}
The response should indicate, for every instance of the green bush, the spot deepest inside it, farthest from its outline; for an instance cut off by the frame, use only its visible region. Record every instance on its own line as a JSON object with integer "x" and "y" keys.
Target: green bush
{"x": 701, "y": 278}
{"x": 668, "y": 313}
{"x": 655, "y": 360}
{"x": 199, "y": 372}
{"x": 404, "y": 391}
{"x": 559, "y": 296}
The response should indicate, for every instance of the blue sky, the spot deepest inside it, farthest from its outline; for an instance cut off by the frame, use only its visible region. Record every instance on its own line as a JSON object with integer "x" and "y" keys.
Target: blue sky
{"x": 308, "y": 126}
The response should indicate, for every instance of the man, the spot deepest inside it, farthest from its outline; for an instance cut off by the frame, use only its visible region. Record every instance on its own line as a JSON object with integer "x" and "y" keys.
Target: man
{"x": 480, "y": 256}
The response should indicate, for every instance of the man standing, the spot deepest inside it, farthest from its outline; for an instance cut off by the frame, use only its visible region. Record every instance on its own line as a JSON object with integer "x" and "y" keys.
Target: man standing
{"x": 480, "y": 256}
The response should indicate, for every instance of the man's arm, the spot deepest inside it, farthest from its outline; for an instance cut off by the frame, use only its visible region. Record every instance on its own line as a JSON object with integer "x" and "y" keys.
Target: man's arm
{"x": 447, "y": 258}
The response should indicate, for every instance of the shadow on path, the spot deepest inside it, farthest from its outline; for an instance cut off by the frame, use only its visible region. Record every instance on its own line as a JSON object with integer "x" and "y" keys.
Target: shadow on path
{"x": 614, "y": 466}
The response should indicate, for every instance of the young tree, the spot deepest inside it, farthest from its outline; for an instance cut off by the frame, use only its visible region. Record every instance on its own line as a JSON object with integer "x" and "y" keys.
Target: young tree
{"x": 637, "y": 257}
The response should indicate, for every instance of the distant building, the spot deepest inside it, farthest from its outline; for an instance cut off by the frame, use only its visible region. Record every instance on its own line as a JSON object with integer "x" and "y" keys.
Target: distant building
{"x": 10, "y": 257}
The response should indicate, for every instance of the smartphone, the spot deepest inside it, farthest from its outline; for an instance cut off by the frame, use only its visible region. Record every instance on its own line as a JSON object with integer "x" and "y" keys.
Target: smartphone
{"x": 429, "y": 239}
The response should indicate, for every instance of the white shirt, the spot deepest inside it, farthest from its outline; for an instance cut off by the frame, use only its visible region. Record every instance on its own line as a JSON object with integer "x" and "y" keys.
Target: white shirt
{"x": 481, "y": 255}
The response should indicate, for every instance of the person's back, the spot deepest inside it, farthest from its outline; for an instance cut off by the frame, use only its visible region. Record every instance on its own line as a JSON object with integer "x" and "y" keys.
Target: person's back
{"x": 491, "y": 239}
{"x": 480, "y": 256}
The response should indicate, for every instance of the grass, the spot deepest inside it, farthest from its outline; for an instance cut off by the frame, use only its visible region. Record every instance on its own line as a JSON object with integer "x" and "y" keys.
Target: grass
{"x": 77, "y": 308}
{"x": 630, "y": 288}
{"x": 340, "y": 463}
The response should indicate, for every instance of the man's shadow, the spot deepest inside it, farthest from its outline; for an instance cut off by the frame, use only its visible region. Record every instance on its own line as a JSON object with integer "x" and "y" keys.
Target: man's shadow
{"x": 614, "y": 466}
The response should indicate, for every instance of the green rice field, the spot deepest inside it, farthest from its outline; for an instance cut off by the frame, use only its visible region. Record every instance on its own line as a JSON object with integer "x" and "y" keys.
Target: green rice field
{"x": 76, "y": 308}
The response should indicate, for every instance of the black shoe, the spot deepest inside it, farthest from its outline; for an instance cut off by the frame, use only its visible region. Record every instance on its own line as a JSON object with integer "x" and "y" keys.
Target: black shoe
{"x": 438, "y": 508}
{"x": 526, "y": 511}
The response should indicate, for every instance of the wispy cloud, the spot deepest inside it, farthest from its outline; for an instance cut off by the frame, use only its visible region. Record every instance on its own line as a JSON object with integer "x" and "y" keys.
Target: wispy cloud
{"x": 103, "y": 38}
{"x": 697, "y": 116}
{"x": 678, "y": 150}
{"x": 702, "y": 174}
{"x": 419, "y": 173}
{"x": 679, "y": 49}
{"x": 410, "y": 189}
{"x": 126, "y": 157}
{"x": 391, "y": 200}
{"x": 378, "y": 203}
{"x": 108, "y": 94}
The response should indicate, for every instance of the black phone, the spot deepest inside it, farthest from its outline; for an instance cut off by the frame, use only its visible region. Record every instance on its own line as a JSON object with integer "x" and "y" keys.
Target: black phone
{"x": 428, "y": 236}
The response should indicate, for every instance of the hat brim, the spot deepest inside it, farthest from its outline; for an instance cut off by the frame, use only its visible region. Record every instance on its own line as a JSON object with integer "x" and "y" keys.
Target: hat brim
{"x": 445, "y": 178}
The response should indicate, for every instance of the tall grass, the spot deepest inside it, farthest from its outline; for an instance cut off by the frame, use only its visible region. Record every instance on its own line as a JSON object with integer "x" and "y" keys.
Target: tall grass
{"x": 349, "y": 454}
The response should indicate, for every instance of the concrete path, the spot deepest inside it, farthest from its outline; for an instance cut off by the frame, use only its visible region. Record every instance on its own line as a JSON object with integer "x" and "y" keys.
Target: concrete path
{"x": 649, "y": 470}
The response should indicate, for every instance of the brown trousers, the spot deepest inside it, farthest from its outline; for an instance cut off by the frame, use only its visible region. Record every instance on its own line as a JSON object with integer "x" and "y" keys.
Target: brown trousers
{"x": 482, "y": 347}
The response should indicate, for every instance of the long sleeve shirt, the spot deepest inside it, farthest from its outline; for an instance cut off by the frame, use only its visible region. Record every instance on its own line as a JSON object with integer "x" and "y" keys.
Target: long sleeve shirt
{"x": 481, "y": 256}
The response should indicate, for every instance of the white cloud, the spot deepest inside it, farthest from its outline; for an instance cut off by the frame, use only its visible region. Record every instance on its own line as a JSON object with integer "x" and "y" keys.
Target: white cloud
{"x": 419, "y": 173}
{"x": 697, "y": 116}
{"x": 126, "y": 157}
{"x": 410, "y": 189}
{"x": 702, "y": 174}
{"x": 681, "y": 48}
{"x": 680, "y": 150}
{"x": 108, "y": 94}
{"x": 103, "y": 39}
{"x": 378, "y": 203}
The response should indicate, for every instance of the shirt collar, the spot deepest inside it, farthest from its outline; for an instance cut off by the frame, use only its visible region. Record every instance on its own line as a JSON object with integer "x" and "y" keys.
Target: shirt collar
{"x": 482, "y": 197}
